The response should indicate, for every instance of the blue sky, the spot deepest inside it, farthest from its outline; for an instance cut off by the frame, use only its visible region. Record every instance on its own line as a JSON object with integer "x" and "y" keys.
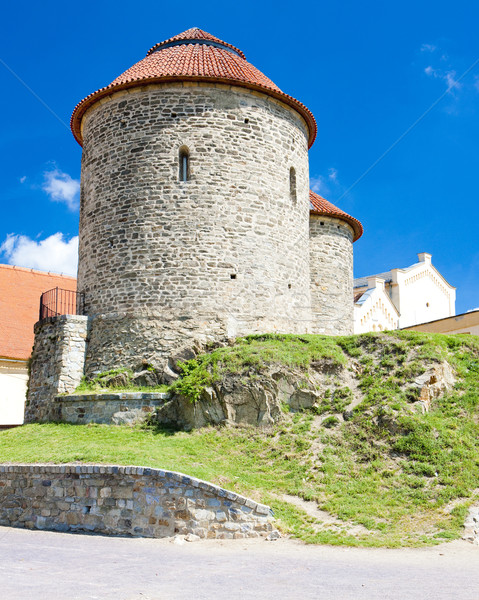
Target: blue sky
{"x": 367, "y": 70}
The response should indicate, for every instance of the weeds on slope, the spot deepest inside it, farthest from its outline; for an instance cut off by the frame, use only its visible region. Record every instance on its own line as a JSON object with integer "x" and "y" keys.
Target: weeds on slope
{"x": 389, "y": 475}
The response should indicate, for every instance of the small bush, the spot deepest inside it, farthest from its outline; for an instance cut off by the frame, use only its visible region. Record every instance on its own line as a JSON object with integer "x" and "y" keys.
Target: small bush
{"x": 330, "y": 422}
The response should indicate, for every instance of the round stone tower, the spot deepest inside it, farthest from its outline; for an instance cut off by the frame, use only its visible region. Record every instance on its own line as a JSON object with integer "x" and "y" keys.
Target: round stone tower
{"x": 194, "y": 218}
{"x": 332, "y": 233}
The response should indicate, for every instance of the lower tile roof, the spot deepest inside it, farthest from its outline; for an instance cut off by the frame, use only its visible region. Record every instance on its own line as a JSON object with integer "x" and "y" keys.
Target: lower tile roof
{"x": 20, "y": 291}
{"x": 321, "y": 206}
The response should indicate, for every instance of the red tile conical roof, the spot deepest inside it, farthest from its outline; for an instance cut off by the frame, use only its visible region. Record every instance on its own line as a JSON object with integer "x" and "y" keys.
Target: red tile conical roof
{"x": 194, "y": 34}
{"x": 321, "y": 207}
{"x": 193, "y": 55}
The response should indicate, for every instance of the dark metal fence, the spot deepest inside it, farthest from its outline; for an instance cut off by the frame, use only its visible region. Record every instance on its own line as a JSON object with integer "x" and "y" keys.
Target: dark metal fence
{"x": 61, "y": 302}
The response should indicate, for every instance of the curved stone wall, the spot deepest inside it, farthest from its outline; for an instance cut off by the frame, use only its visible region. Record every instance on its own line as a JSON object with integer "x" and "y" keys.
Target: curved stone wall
{"x": 225, "y": 253}
{"x": 331, "y": 256}
{"x": 114, "y": 500}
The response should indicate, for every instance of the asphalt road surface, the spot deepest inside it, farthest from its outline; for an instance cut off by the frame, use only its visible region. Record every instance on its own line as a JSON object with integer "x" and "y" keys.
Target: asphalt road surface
{"x": 37, "y": 565}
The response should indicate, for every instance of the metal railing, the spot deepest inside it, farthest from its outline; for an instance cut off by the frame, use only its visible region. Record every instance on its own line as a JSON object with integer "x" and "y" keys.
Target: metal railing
{"x": 61, "y": 302}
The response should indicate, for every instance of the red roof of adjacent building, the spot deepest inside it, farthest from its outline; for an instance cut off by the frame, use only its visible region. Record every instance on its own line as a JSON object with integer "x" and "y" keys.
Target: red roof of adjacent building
{"x": 193, "y": 55}
{"x": 320, "y": 206}
{"x": 20, "y": 291}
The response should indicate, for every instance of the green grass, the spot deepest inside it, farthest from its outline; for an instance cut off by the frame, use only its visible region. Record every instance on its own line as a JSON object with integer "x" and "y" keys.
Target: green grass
{"x": 253, "y": 354}
{"x": 101, "y": 384}
{"x": 86, "y": 390}
{"x": 391, "y": 475}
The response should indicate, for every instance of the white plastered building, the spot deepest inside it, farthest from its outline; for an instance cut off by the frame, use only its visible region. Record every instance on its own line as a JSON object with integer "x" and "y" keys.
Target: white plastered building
{"x": 402, "y": 297}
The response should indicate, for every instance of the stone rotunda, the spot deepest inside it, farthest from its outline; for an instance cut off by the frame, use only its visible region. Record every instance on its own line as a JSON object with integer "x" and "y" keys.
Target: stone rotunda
{"x": 196, "y": 218}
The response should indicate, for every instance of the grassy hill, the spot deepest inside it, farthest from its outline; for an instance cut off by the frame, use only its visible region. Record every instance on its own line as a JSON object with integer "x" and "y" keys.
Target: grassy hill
{"x": 364, "y": 465}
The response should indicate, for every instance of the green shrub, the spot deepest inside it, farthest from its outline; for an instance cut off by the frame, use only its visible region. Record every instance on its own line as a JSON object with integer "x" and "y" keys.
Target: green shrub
{"x": 330, "y": 422}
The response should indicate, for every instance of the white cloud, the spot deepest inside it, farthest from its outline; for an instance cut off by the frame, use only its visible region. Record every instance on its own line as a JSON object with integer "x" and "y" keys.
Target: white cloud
{"x": 23, "y": 179}
{"x": 476, "y": 82}
{"x": 62, "y": 188}
{"x": 318, "y": 185}
{"x": 325, "y": 184}
{"x": 333, "y": 174}
{"x": 54, "y": 253}
{"x": 449, "y": 77}
{"x": 428, "y": 48}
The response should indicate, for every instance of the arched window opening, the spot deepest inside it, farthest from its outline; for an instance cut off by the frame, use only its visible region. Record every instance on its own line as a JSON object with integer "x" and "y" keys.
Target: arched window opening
{"x": 292, "y": 185}
{"x": 184, "y": 164}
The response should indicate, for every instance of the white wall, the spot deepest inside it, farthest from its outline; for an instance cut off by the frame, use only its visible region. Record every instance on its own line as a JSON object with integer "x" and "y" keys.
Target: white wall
{"x": 374, "y": 311}
{"x": 13, "y": 387}
{"x": 421, "y": 294}
{"x": 415, "y": 295}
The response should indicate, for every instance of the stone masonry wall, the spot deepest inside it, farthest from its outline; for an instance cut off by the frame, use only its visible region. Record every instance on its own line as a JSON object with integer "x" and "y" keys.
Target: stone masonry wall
{"x": 57, "y": 366}
{"x": 135, "y": 501}
{"x": 117, "y": 408}
{"x": 331, "y": 256}
{"x": 226, "y": 253}
{"x": 471, "y": 526}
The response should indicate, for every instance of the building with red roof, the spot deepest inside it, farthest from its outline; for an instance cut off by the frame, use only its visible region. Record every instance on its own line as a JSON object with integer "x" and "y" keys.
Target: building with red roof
{"x": 320, "y": 207}
{"x": 192, "y": 56}
{"x": 20, "y": 291}
{"x": 196, "y": 218}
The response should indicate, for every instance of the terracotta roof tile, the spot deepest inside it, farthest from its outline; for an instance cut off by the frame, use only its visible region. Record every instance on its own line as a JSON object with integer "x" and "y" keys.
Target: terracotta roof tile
{"x": 20, "y": 291}
{"x": 195, "y": 60}
{"x": 193, "y": 55}
{"x": 195, "y": 34}
{"x": 320, "y": 206}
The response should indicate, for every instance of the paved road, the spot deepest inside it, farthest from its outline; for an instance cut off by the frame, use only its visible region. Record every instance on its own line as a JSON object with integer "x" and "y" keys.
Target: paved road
{"x": 37, "y": 565}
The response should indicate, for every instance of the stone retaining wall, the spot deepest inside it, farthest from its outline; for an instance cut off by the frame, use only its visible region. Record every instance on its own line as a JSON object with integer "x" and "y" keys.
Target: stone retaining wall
{"x": 116, "y": 408}
{"x": 58, "y": 361}
{"x": 471, "y": 526}
{"x": 134, "y": 501}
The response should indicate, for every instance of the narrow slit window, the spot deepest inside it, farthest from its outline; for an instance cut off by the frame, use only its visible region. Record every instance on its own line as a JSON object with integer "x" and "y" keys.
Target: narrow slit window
{"x": 184, "y": 164}
{"x": 292, "y": 184}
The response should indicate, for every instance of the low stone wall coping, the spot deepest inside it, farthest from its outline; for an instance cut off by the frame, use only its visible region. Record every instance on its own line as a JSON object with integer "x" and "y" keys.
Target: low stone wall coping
{"x": 114, "y": 396}
{"x": 62, "y": 319}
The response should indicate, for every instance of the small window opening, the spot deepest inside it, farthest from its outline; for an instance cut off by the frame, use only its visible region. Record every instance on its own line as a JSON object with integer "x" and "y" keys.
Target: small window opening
{"x": 233, "y": 275}
{"x": 246, "y": 121}
{"x": 184, "y": 164}
{"x": 321, "y": 222}
{"x": 292, "y": 184}
{"x": 289, "y": 286}
{"x": 174, "y": 115}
